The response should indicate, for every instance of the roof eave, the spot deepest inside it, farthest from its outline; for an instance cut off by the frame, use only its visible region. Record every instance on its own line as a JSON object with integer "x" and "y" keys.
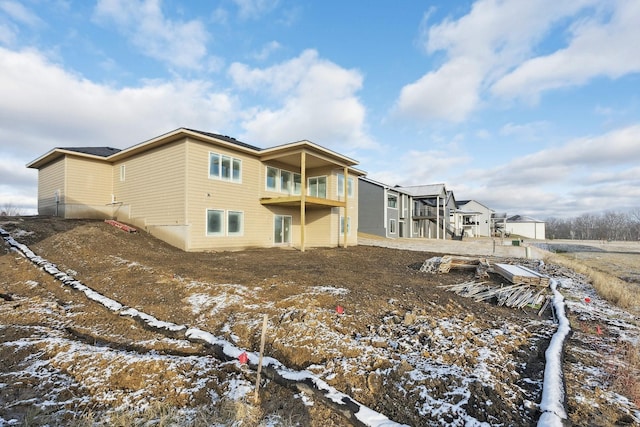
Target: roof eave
{"x": 56, "y": 153}
{"x": 304, "y": 144}
{"x": 176, "y": 135}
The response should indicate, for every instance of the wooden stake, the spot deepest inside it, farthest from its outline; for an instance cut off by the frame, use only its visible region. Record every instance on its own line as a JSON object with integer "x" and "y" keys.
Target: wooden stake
{"x": 262, "y": 340}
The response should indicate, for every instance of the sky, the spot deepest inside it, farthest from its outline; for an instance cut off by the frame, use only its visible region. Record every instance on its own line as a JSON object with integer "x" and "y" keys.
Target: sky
{"x": 529, "y": 107}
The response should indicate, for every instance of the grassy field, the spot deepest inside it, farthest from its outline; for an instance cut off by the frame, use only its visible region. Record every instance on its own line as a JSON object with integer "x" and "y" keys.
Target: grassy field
{"x": 613, "y": 267}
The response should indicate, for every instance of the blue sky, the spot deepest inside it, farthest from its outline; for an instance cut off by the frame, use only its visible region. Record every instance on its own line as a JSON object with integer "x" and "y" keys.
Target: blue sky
{"x": 530, "y": 107}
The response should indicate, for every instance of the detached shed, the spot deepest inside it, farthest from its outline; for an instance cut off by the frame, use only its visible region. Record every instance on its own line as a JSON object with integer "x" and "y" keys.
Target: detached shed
{"x": 525, "y": 226}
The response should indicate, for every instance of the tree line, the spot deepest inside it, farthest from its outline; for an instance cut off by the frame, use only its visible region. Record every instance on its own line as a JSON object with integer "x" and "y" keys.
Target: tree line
{"x": 609, "y": 225}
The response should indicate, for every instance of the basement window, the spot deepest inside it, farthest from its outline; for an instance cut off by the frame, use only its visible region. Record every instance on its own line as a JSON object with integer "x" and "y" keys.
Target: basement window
{"x": 234, "y": 223}
{"x": 214, "y": 222}
{"x": 348, "y": 225}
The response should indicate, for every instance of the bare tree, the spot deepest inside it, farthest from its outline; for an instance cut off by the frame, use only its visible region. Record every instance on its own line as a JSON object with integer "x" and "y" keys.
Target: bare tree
{"x": 9, "y": 210}
{"x": 634, "y": 216}
{"x": 608, "y": 225}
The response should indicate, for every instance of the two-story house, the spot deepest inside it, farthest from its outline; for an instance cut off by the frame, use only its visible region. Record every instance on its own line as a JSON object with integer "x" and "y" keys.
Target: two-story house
{"x": 383, "y": 210}
{"x": 201, "y": 191}
{"x": 431, "y": 211}
{"x": 414, "y": 211}
{"x": 472, "y": 218}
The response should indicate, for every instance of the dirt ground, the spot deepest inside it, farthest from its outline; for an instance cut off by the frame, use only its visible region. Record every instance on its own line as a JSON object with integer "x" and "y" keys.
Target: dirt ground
{"x": 381, "y": 290}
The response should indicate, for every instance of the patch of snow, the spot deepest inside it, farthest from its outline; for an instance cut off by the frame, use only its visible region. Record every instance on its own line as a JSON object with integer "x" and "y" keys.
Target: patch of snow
{"x": 17, "y": 233}
{"x": 239, "y": 389}
{"x": 152, "y": 321}
{"x": 332, "y": 290}
{"x": 552, "y": 403}
{"x": 227, "y": 330}
{"x": 201, "y": 303}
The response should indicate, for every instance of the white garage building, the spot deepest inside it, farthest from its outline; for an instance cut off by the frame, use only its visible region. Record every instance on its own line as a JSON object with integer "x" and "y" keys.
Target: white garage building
{"x": 525, "y": 226}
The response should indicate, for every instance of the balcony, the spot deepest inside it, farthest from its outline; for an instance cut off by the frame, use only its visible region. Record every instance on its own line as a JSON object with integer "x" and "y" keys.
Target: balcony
{"x": 427, "y": 212}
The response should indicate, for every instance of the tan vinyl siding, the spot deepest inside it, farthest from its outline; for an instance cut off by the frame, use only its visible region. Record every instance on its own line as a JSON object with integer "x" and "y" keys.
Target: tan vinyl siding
{"x": 50, "y": 180}
{"x": 166, "y": 190}
{"x": 322, "y": 227}
{"x": 207, "y": 193}
{"x": 153, "y": 191}
{"x": 88, "y": 188}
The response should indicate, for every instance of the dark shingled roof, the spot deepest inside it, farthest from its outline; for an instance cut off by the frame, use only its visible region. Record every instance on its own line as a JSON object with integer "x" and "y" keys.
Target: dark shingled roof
{"x": 227, "y": 139}
{"x": 94, "y": 151}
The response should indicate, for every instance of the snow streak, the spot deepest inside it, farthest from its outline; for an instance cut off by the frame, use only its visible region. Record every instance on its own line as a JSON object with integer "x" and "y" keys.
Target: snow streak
{"x": 552, "y": 404}
{"x": 364, "y": 415}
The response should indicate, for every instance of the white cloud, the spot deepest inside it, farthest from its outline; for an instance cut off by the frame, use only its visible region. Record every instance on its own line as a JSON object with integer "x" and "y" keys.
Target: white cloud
{"x": 601, "y": 45}
{"x": 180, "y": 44}
{"x": 267, "y": 50}
{"x": 483, "y": 134}
{"x": 12, "y": 15}
{"x": 574, "y": 162}
{"x": 449, "y": 93}
{"x": 312, "y": 99}
{"x": 616, "y": 177}
{"x": 42, "y": 106}
{"x": 18, "y": 12}
{"x": 525, "y": 131}
{"x": 586, "y": 174}
{"x": 480, "y": 48}
{"x": 252, "y": 9}
{"x": 17, "y": 183}
{"x": 8, "y": 34}
{"x": 424, "y": 167}
{"x": 613, "y": 148}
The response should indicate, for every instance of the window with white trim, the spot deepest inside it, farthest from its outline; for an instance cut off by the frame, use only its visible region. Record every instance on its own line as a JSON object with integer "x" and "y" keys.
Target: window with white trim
{"x": 225, "y": 223}
{"x": 225, "y": 168}
{"x": 392, "y": 226}
{"x": 234, "y": 223}
{"x": 350, "y": 183}
{"x": 283, "y": 181}
{"x": 317, "y": 187}
{"x": 122, "y": 173}
{"x": 297, "y": 184}
{"x": 215, "y": 221}
{"x": 392, "y": 201}
{"x": 272, "y": 178}
{"x": 348, "y": 225}
{"x": 286, "y": 181}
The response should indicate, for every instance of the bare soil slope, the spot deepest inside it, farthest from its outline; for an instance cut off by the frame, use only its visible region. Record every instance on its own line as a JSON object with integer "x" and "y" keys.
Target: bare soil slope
{"x": 404, "y": 347}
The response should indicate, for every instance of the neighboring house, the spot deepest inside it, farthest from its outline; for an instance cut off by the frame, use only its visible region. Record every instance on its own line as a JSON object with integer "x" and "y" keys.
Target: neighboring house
{"x": 525, "y": 226}
{"x": 498, "y": 224}
{"x": 432, "y": 206}
{"x": 383, "y": 210}
{"x": 472, "y": 218}
{"x": 201, "y": 191}
{"x": 428, "y": 211}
